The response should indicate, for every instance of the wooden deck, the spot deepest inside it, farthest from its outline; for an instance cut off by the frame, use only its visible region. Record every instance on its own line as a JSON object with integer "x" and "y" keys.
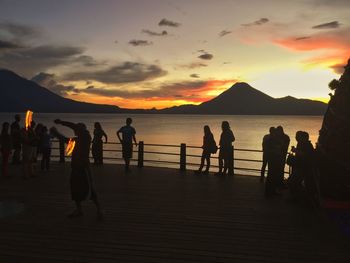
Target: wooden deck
{"x": 160, "y": 215}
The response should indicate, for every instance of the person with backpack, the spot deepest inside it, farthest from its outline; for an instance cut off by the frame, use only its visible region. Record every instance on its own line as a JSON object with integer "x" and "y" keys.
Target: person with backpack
{"x": 209, "y": 147}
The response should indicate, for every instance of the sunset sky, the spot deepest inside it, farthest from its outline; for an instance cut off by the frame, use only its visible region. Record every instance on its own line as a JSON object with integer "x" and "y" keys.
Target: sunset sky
{"x": 160, "y": 53}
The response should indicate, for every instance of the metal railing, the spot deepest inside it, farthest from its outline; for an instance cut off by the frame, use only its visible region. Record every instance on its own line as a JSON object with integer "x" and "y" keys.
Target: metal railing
{"x": 179, "y": 156}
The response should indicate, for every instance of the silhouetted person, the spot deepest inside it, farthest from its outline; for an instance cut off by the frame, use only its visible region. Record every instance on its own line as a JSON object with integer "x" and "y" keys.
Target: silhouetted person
{"x": 28, "y": 147}
{"x": 62, "y": 140}
{"x": 16, "y": 140}
{"x": 45, "y": 148}
{"x": 274, "y": 145}
{"x": 6, "y": 147}
{"x": 209, "y": 147}
{"x": 38, "y": 134}
{"x": 284, "y": 141}
{"x": 303, "y": 168}
{"x": 97, "y": 144}
{"x": 265, "y": 148}
{"x": 127, "y": 137}
{"x": 226, "y": 149}
{"x": 81, "y": 178}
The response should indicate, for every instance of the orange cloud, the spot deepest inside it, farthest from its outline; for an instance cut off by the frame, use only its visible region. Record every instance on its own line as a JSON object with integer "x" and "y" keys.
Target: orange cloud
{"x": 334, "y": 45}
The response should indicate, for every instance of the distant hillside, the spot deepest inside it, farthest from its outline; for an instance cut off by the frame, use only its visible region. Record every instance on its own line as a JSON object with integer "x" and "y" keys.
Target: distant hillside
{"x": 242, "y": 99}
{"x": 19, "y": 94}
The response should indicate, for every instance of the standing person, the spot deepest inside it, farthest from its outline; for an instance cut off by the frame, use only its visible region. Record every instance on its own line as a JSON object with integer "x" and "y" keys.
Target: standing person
{"x": 16, "y": 140}
{"x": 226, "y": 149}
{"x": 28, "y": 140}
{"x": 97, "y": 144}
{"x": 284, "y": 141}
{"x": 265, "y": 149}
{"x": 45, "y": 148}
{"x": 81, "y": 179}
{"x": 6, "y": 147}
{"x": 303, "y": 170}
{"x": 38, "y": 135}
{"x": 209, "y": 147}
{"x": 275, "y": 146}
{"x": 128, "y": 136}
{"x": 62, "y": 141}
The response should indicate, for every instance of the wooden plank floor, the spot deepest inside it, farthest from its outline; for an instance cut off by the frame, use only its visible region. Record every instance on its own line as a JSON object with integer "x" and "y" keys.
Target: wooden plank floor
{"x": 160, "y": 215}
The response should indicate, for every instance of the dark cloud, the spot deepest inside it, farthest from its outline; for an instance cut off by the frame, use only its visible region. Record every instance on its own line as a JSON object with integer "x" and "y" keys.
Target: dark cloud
{"x": 196, "y": 76}
{"x": 302, "y": 38}
{"x": 166, "y": 22}
{"x": 48, "y": 81}
{"x": 177, "y": 89}
{"x": 259, "y": 22}
{"x": 330, "y": 25}
{"x": 153, "y": 33}
{"x": 8, "y": 45}
{"x": 206, "y": 56}
{"x": 224, "y": 33}
{"x": 30, "y": 61}
{"x": 126, "y": 72}
{"x": 19, "y": 31}
{"x": 137, "y": 43}
{"x": 88, "y": 61}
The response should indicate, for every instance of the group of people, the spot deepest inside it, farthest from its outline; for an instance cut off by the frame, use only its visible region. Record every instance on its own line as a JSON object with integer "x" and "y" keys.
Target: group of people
{"x": 301, "y": 159}
{"x": 225, "y": 151}
{"x": 36, "y": 139}
{"x": 26, "y": 143}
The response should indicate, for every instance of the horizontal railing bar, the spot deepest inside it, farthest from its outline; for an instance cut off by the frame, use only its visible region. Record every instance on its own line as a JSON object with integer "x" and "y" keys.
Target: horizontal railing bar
{"x": 177, "y": 154}
{"x": 248, "y": 150}
{"x": 160, "y": 161}
{"x": 162, "y": 145}
{"x": 248, "y": 160}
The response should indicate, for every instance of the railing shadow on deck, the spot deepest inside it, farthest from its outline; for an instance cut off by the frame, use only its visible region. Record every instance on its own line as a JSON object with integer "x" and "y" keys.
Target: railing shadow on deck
{"x": 180, "y": 156}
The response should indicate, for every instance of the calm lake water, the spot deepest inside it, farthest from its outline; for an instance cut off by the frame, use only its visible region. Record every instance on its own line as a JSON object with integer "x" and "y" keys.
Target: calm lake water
{"x": 176, "y": 129}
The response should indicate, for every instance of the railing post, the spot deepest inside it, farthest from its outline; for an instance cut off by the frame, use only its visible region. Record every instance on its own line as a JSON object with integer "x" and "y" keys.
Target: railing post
{"x": 183, "y": 157}
{"x": 140, "y": 155}
{"x": 231, "y": 165}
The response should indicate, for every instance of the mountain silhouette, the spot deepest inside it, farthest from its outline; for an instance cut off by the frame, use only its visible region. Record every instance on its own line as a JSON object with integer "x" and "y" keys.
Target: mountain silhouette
{"x": 19, "y": 94}
{"x": 242, "y": 99}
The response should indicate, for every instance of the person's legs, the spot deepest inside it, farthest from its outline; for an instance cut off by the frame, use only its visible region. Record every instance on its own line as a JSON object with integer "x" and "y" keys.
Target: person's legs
{"x": 202, "y": 163}
{"x": 207, "y": 158}
{"x": 263, "y": 167}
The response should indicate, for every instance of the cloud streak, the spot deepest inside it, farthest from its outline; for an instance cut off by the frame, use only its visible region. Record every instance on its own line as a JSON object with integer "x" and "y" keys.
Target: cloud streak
{"x": 30, "y": 61}
{"x": 330, "y": 25}
{"x": 137, "y": 43}
{"x": 154, "y": 33}
{"x": 126, "y": 72}
{"x": 224, "y": 33}
{"x": 166, "y": 22}
{"x": 259, "y": 22}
